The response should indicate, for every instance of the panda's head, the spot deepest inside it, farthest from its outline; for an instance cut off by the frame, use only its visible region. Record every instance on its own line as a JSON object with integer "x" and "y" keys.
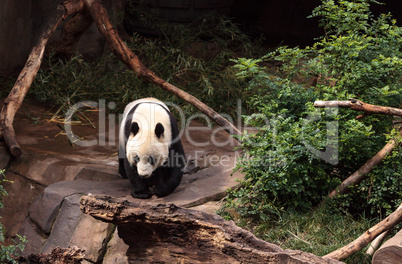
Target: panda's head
{"x": 148, "y": 140}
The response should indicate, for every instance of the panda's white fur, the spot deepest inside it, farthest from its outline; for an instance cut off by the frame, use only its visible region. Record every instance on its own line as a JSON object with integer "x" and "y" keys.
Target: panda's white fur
{"x": 145, "y": 143}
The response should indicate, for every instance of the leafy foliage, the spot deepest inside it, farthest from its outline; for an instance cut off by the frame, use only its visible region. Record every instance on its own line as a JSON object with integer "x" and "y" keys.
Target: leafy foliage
{"x": 301, "y": 153}
{"x": 8, "y": 253}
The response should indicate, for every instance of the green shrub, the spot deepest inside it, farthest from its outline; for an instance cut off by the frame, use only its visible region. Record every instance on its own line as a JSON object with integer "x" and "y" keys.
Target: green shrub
{"x": 359, "y": 57}
{"x": 8, "y": 253}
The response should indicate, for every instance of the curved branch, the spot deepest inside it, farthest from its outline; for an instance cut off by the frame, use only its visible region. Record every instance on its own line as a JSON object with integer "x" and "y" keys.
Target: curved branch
{"x": 14, "y": 100}
{"x": 362, "y": 241}
{"x": 120, "y": 49}
{"x": 360, "y": 106}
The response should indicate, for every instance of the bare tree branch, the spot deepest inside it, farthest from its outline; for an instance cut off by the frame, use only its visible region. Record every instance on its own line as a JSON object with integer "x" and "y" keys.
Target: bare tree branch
{"x": 360, "y": 106}
{"x": 14, "y": 100}
{"x": 362, "y": 241}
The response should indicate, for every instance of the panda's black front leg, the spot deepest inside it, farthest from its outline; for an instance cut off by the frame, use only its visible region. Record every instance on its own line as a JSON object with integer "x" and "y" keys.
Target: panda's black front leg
{"x": 167, "y": 181}
{"x": 141, "y": 194}
{"x": 139, "y": 187}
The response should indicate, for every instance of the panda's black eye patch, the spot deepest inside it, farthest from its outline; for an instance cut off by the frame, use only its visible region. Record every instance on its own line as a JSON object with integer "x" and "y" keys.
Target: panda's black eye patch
{"x": 151, "y": 160}
{"x": 134, "y": 128}
{"x": 159, "y": 129}
{"x": 136, "y": 159}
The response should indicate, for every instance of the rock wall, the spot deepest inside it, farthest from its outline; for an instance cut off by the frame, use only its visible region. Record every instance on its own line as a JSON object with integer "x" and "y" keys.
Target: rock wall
{"x": 20, "y": 22}
{"x": 16, "y": 31}
{"x": 281, "y": 21}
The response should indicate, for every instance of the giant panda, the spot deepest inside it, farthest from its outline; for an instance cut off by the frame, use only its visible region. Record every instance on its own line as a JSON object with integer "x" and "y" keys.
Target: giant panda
{"x": 151, "y": 155}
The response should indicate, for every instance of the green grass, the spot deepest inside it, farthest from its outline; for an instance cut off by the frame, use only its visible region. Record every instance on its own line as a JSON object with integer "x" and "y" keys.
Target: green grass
{"x": 319, "y": 232}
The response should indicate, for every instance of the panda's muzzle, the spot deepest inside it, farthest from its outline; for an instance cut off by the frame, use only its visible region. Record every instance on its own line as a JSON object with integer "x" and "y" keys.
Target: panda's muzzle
{"x": 144, "y": 171}
{"x": 145, "y": 175}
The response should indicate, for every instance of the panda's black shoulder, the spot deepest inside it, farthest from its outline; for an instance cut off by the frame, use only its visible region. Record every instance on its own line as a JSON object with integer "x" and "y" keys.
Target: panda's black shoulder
{"x": 176, "y": 146}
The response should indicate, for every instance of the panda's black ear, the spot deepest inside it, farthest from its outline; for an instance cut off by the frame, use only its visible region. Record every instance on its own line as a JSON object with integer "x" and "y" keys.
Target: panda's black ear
{"x": 134, "y": 128}
{"x": 159, "y": 129}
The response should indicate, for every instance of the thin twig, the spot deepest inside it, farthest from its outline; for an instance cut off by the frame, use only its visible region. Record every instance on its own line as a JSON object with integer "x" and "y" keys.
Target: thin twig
{"x": 302, "y": 240}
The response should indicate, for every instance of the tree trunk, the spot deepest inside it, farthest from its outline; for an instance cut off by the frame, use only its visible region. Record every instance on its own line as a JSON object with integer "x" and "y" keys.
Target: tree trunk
{"x": 14, "y": 100}
{"x": 169, "y": 234}
{"x": 362, "y": 241}
{"x": 126, "y": 55}
{"x": 390, "y": 252}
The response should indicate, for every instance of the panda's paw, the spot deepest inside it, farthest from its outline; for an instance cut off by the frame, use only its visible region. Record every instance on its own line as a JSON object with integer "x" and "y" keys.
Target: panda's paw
{"x": 143, "y": 194}
{"x": 161, "y": 192}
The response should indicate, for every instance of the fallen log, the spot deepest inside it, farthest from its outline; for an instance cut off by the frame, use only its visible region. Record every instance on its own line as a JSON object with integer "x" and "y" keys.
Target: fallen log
{"x": 390, "y": 252}
{"x": 360, "y": 106}
{"x": 169, "y": 234}
{"x": 14, "y": 100}
{"x": 362, "y": 241}
{"x": 127, "y": 56}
